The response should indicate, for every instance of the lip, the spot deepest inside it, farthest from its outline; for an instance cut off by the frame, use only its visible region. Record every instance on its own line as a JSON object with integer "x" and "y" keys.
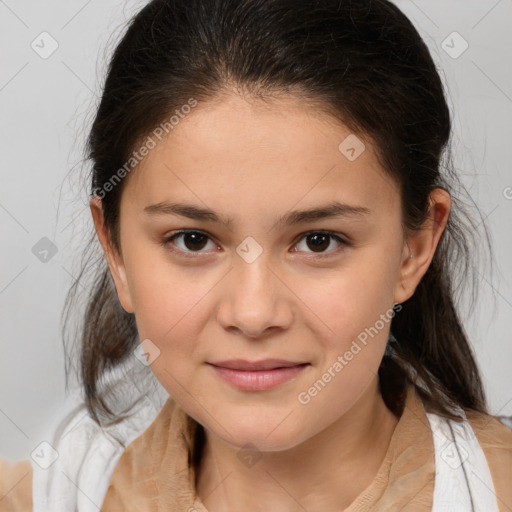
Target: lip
{"x": 264, "y": 364}
{"x": 257, "y": 375}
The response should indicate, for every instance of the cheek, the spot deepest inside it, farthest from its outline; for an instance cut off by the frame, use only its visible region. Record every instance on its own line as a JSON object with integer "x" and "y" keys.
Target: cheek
{"x": 348, "y": 301}
{"x": 165, "y": 297}
{"x": 353, "y": 310}
{"x": 170, "y": 313}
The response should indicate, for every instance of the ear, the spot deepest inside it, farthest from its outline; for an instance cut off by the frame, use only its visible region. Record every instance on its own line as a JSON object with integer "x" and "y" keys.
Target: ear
{"x": 114, "y": 259}
{"x": 420, "y": 246}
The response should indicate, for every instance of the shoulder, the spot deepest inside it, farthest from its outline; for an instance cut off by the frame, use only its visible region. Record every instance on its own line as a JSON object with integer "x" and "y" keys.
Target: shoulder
{"x": 83, "y": 457}
{"x": 138, "y": 480}
{"x": 493, "y": 434}
{"x": 15, "y": 486}
{"x": 495, "y": 439}
{"x": 66, "y": 450}
{"x": 144, "y": 454}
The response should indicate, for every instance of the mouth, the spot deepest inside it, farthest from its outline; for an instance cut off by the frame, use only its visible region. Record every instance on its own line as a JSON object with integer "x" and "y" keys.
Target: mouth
{"x": 265, "y": 364}
{"x": 258, "y": 375}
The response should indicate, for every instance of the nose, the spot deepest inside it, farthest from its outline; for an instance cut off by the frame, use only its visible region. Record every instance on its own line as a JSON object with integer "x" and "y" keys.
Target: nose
{"x": 256, "y": 300}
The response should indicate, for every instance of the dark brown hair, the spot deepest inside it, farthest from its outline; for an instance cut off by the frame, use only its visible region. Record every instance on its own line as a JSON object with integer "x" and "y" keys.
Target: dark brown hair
{"x": 360, "y": 61}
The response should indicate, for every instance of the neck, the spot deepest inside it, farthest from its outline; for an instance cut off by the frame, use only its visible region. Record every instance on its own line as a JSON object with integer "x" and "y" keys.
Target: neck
{"x": 327, "y": 472}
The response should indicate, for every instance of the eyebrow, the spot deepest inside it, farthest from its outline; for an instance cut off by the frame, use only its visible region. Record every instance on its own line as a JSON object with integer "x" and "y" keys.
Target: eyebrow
{"x": 331, "y": 210}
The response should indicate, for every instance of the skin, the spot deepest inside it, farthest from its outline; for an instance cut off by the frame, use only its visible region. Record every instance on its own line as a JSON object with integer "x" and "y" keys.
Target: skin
{"x": 254, "y": 162}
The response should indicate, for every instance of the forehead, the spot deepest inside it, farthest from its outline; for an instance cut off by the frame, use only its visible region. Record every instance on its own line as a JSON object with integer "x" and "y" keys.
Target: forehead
{"x": 234, "y": 154}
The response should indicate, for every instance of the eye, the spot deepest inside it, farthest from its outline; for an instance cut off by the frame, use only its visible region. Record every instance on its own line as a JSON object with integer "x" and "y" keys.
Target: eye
{"x": 192, "y": 241}
{"x": 319, "y": 241}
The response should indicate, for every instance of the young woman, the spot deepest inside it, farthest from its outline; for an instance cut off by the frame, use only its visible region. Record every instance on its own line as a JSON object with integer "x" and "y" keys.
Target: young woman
{"x": 273, "y": 194}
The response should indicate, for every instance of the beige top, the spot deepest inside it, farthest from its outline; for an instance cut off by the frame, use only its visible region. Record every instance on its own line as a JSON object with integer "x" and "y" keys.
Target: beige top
{"x": 154, "y": 473}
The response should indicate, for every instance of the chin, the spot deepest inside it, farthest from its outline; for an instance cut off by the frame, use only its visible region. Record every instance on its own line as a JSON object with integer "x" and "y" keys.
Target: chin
{"x": 273, "y": 435}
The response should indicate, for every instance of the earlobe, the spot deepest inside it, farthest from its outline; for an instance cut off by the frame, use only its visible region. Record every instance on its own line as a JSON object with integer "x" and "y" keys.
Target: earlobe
{"x": 114, "y": 259}
{"x": 420, "y": 246}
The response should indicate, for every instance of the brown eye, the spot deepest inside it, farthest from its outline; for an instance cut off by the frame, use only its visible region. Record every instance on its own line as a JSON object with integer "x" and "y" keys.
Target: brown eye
{"x": 191, "y": 241}
{"x": 194, "y": 241}
{"x": 320, "y": 241}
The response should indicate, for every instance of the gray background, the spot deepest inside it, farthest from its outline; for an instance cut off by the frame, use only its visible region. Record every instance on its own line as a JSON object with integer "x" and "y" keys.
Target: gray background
{"x": 46, "y": 106}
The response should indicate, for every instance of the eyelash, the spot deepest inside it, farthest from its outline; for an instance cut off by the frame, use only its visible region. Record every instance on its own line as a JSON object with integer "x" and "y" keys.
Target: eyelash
{"x": 166, "y": 242}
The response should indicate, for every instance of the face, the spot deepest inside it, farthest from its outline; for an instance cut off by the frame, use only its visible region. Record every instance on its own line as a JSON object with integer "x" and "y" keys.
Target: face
{"x": 255, "y": 280}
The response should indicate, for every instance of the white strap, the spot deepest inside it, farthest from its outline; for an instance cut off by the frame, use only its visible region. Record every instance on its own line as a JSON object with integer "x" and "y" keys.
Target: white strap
{"x": 463, "y": 481}
{"x": 73, "y": 466}
{"x": 87, "y": 457}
